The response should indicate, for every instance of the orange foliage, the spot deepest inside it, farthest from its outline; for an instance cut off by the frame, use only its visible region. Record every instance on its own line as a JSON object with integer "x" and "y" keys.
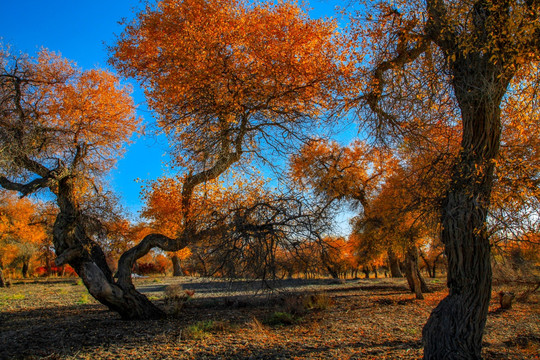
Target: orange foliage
{"x": 215, "y": 71}
{"x": 21, "y": 234}
{"x": 353, "y": 172}
{"x": 85, "y": 110}
{"x": 216, "y": 199}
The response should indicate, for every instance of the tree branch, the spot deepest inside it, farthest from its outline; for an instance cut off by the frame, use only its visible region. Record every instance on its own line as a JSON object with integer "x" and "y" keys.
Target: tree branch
{"x": 47, "y": 181}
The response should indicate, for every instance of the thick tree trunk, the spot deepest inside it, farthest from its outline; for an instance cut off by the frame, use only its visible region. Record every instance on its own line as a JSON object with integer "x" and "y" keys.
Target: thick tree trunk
{"x": 455, "y": 327}
{"x": 177, "y": 266}
{"x": 393, "y": 261}
{"x": 74, "y": 246}
{"x": 412, "y": 273}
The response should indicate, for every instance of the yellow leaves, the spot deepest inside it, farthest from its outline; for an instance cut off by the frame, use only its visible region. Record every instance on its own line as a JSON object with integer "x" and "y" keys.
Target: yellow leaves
{"x": 182, "y": 254}
{"x": 80, "y": 119}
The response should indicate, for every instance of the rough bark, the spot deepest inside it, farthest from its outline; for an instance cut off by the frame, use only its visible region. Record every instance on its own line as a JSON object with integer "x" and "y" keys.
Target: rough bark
{"x": 177, "y": 266}
{"x": 75, "y": 247}
{"x": 481, "y": 66}
{"x": 455, "y": 327}
{"x": 412, "y": 272}
{"x": 393, "y": 262}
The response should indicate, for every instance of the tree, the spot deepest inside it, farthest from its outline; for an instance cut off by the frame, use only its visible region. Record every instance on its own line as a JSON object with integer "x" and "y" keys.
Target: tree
{"x": 60, "y": 130}
{"x": 474, "y": 55}
{"x": 20, "y": 233}
{"x": 226, "y": 79}
{"x": 255, "y": 223}
{"x": 396, "y": 220}
{"x": 353, "y": 173}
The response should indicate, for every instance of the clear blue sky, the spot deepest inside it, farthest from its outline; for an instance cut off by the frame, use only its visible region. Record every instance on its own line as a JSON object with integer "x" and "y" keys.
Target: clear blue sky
{"x": 80, "y": 30}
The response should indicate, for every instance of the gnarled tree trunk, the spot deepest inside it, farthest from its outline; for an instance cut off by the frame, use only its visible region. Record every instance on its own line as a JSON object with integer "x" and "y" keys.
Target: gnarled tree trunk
{"x": 25, "y": 267}
{"x": 75, "y": 247}
{"x": 455, "y": 327}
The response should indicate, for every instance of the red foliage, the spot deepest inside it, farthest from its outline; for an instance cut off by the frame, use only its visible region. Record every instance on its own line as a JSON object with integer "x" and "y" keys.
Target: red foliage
{"x": 151, "y": 268}
{"x": 65, "y": 270}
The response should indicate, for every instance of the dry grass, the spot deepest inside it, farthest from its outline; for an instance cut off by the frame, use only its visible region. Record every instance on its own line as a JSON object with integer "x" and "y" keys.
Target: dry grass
{"x": 366, "y": 319}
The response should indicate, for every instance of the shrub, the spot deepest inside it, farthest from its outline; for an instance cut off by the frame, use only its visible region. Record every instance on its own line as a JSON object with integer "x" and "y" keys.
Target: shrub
{"x": 65, "y": 270}
{"x": 202, "y": 329}
{"x": 281, "y": 318}
{"x": 176, "y": 297}
{"x": 318, "y": 301}
{"x": 300, "y": 304}
{"x": 150, "y": 268}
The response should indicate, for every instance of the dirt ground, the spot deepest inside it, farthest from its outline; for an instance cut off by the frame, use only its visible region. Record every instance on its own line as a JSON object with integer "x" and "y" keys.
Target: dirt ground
{"x": 353, "y": 319}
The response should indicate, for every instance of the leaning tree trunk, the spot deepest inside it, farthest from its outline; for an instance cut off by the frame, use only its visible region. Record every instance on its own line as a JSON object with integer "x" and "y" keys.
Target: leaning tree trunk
{"x": 412, "y": 272}
{"x": 75, "y": 247}
{"x": 455, "y": 327}
{"x": 393, "y": 261}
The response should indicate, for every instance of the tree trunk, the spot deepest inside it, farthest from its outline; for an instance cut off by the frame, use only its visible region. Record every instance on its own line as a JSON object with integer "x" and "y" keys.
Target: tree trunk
{"x": 177, "y": 266}
{"x": 3, "y": 282}
{"x": 203, "y": 265}
{"x": 75, "y": 247}
{"x": 455, "y": 327}
{"x": 412, "y": 273}
{"x": 423, "y": 286}
{"x": 429, "y": 268}
{"x": 366, "y": 271}
{"x": 393, "y": 261}
{"x": 332, "y": 272}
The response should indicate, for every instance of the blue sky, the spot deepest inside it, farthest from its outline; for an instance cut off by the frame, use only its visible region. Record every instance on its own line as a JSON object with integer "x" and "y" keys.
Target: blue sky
{"x": 80, "y": 31}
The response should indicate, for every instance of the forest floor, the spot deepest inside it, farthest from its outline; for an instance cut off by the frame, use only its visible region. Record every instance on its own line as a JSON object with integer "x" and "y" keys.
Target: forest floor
{"x": 353, "y": 319}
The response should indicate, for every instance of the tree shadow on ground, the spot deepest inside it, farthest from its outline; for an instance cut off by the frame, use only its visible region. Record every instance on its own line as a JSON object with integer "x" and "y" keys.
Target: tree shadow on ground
{"x": 66, "y": 331}
{"x": 353, "y": 349}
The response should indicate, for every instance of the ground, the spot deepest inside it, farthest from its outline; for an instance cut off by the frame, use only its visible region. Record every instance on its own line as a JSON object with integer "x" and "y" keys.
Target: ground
{"x": 353, "y": 319}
